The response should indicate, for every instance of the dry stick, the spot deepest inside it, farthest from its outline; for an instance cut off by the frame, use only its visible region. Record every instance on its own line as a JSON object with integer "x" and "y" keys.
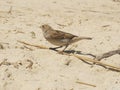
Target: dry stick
{"x": 110, "y": 67}
{"x": 78, "y": 56}
{"x": 107, "y": 54}
{"x": 38, "y": 46}
{"x": 96, "y": 61}
{"x": 86, "y": 84}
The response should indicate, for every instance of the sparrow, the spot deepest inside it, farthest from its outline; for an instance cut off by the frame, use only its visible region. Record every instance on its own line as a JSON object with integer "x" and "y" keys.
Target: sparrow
{"x": 60, "y": 38}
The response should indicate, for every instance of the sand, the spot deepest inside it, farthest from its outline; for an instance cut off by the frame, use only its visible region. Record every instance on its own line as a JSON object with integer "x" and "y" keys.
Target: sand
{"x": 28, "y": 68}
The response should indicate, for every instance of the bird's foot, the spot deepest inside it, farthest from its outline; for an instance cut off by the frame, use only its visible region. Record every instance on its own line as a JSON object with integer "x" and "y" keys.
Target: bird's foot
{"x": 52, "y": 48}
{"x": 60, "y": 52}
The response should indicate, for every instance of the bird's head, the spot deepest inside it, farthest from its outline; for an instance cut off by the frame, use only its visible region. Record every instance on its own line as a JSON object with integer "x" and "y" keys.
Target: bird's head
{"x": 45, "y": 27}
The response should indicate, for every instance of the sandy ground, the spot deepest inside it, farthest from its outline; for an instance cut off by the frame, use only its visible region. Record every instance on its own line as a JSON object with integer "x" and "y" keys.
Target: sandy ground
{"x": 99, "y": 19}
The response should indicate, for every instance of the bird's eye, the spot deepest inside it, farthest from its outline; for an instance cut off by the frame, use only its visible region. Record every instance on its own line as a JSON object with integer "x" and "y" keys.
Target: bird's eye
{"x": 43, "y": 26}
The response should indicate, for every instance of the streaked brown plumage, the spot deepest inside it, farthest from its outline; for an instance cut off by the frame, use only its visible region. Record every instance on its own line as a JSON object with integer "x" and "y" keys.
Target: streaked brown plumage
{"x": 60, "y": 38}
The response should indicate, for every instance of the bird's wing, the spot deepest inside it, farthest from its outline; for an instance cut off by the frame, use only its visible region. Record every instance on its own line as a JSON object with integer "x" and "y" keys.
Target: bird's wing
{"x": 62, "y": 35}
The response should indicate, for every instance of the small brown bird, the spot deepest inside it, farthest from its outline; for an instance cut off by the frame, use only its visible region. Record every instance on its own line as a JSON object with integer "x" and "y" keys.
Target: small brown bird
{"x": 60, "y": 38}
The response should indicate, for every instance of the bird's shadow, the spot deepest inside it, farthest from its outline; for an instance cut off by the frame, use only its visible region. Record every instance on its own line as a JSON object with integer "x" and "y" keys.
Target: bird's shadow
{"x": 75, "y": 52}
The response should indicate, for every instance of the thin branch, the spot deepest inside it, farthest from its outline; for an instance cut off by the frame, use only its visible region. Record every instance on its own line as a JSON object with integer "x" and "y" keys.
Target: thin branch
{"x": 38, "y": 46}
{"x": 86, "y": 84}
{"x": 83, "y": 58}
{"x": 111, "y": 67}
{"x": 107, "y": 54}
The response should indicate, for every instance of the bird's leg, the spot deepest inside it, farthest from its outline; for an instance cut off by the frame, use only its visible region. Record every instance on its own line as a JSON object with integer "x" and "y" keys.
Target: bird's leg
{"x": 56, "y": 48}
{"x": 61, "y": 52}
{"x": 65, "y": 47}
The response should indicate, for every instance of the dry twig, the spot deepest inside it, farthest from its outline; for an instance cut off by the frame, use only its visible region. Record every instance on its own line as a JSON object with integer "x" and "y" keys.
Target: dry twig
{"x": 86, "y": 84}
{"x": 86, "y": 59}
{"x": 111, "y": 67}
{"x": 107, "y": 54}
{"x": 38, "y": 46}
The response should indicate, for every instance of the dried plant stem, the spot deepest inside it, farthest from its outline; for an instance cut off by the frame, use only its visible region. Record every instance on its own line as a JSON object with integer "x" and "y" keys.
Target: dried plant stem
{"x": 111, "y": 67}
{"x": 107, "y": 54}
{"x": 38, "y": 46}
{"x": 86, "y": 84}
{"x": 96, "y": 61}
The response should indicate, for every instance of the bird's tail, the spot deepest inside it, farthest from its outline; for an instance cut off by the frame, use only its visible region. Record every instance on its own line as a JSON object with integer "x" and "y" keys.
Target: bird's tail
{"x": 88, "y": 38}
{"x": 75, "y": 39}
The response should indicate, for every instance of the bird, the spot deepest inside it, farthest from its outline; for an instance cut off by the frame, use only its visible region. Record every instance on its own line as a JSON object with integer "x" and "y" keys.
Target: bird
{"x": 60, "y": 38}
